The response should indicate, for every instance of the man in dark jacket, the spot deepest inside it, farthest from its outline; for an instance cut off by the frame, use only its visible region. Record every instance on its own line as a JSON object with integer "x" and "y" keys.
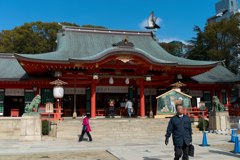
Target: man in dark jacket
{"x": 180, "y": 128}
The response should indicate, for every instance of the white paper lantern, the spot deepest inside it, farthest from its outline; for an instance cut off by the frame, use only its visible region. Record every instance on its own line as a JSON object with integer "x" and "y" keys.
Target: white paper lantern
{"x": 127, "y": 80}
{"x": 95, "y": 76}
{"x": 148, "y": 79}
{"x": 58, "y": 92}
{"x": 111, "y": 81}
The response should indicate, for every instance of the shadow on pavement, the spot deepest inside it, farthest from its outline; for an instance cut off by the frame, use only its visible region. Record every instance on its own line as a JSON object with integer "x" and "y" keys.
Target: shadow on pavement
{"x": 147, "y": 158}
{"x": 225, "y": 153}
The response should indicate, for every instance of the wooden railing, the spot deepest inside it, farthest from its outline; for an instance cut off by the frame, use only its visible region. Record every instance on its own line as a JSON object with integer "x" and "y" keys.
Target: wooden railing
{"x": 195, "y": 112}
{"x": 100, "y": 112}
{"x": 234, "y": 110}
{"x": 50, "y": 116}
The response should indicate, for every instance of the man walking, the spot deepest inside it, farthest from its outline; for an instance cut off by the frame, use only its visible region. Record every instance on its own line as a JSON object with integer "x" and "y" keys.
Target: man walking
{"x": 129, "y": 107}
{"x": 180, "y": 128}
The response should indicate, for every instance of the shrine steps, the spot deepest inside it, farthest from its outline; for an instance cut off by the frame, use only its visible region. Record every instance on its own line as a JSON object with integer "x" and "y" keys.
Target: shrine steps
{"x": 115, "y": 129}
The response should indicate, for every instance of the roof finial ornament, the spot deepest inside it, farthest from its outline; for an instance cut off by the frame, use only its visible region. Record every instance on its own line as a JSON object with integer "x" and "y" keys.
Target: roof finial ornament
{"x": 178, "y": 85}
{"x": 126, "y": 40}
{"x": 124, "y": 43}
{"x": 151, "y": 23}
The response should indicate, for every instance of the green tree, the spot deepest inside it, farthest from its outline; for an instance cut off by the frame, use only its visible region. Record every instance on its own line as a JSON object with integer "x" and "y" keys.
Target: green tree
{"x": 198, "y": 47}
{"x": 33, "y": 38}
{"x": 170, "y": 48}
{"x": 218, "y": 42}
{"x": 175, "y": 48}
{"x": 92, "y": 26}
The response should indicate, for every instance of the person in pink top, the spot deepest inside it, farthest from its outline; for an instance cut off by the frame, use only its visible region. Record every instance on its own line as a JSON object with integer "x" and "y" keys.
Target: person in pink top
{"x": 85, "y": 129}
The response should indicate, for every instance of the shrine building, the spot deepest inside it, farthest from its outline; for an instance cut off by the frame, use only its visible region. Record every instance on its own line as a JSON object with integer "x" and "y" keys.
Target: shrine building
{"x": 102, "y": 64}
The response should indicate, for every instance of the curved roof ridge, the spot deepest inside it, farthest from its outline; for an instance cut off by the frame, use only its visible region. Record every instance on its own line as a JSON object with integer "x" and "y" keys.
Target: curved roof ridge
{"x": 105, "y": 30}
{"x": 116, "y": 49}
{"x": 7, "y": 55}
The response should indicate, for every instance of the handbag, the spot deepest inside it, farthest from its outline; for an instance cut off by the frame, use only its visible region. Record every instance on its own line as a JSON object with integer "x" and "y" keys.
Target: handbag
{"x": 191, "y": 150}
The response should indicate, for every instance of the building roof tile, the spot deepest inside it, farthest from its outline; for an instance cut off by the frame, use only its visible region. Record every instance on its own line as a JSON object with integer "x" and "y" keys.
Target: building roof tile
{"x": 10, "y": 68}
{"x": 86, "y": 44}
{"x": 218, "y": 74}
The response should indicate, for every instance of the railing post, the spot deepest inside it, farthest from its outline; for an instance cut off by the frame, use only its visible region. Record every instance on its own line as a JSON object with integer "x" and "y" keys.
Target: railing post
{"x": 185, "y": 111}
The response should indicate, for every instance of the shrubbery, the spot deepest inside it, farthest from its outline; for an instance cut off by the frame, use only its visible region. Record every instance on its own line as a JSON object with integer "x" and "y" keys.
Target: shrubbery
{"x": 45, "y": 127}
{"x": 200, "y": 124}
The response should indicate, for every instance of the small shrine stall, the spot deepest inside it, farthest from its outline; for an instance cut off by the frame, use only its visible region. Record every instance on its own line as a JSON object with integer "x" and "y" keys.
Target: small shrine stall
{"x": 166, "y": 102}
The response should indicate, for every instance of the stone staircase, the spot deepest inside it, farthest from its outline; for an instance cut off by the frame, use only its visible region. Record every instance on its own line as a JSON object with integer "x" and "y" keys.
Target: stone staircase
{"x": 115, "y": 129}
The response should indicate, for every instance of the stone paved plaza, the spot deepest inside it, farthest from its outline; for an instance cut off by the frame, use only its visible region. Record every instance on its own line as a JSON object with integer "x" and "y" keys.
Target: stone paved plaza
{"x": 124, "y": 149}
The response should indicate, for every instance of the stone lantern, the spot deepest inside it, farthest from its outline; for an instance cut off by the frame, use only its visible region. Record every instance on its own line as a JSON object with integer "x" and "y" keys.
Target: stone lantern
{"x": 58, "y": 93}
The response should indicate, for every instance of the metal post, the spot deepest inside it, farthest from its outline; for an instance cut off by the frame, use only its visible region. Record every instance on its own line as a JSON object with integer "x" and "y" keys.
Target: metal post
{"x": 151, "y": 112}
{"x": 203, "y": 121}
{"x": 49, "y": 128}
{"x": 142, "y": 99}
{"x": 75, "y": 99}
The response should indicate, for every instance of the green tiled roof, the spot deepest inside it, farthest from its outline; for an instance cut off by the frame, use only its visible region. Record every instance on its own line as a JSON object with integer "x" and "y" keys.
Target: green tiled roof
{"x": 218, "y": 74}
{"x": 10, "y": 68}
{"x": 91, "y": 44}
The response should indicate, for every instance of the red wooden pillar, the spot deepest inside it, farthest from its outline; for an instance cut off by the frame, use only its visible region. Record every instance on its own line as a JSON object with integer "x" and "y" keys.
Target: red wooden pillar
{"x": 185, "y": 111}
{"x": 228, "y": 97}
{"x": 142, "y": 99}
{"x": 93, "y": 99}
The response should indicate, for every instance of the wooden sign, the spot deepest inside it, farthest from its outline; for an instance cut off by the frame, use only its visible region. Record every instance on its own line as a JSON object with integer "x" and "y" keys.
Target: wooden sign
{"x": 49, "y": 107}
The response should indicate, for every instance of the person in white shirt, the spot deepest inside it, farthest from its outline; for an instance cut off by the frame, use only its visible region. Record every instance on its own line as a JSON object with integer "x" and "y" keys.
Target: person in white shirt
{"x": 129, "y": 106}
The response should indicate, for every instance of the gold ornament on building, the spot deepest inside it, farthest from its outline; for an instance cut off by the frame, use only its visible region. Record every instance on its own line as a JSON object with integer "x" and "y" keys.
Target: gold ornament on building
{"x": 125, "y": 59}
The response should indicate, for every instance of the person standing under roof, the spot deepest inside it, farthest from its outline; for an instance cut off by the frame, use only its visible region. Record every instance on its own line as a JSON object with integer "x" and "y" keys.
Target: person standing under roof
{"x": 129, "y": 107}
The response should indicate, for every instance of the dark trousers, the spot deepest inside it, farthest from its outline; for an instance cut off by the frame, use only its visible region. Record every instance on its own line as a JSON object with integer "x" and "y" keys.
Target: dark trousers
{"x": 181, "y": 151}
{"x": 82, "y": 134}
{"x": 111, "y": 113}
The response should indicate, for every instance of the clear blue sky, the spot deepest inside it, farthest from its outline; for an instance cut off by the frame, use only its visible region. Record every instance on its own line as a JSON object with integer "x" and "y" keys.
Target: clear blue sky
{"x": 177, "y": 17}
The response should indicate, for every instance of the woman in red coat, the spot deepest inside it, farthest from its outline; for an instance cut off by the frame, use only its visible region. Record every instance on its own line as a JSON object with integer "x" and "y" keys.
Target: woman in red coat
{"x": 86, "y": 128}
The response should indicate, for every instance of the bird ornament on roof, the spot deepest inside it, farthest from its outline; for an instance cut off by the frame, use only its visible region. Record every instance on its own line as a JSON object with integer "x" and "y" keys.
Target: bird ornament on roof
{"x": 151, "y": 22}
